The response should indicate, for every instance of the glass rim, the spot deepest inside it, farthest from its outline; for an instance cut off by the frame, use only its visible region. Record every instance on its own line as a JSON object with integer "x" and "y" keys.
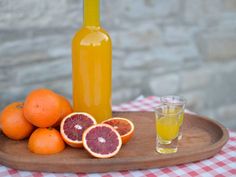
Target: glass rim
{"x": 171, "y": 114}
{"x": 167, "y": 99}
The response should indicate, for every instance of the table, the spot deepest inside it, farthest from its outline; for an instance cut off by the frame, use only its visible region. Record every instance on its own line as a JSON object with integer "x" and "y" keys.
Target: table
{"x": 221, "y": 165}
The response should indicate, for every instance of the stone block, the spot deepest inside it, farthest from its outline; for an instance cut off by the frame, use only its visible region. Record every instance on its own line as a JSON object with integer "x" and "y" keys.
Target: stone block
{"x": 141, "y": 59}
{"x": 213, "y": 8}
{"x": 227, "y": 22}
{"x": 226, "y": 115}
{"x": 196, "y": 100}
{"x": 230, "y": 5}
{"x": 118, "y": 58}
{"x": 40, "y": 72}
{"x": 3, "y": 75}
{"x": 193, "y": 11}
{"x": 218, "y": 46}
{"x": 32, "y": 13}
{"x": 221, "y": 87}
{"x": 162, "y": 59}
{"x": 128, "y": 79}
{"x": 202, "y": 12}
{"x": 12, "y": 60}
{"x": 37, "y": 48}
{"x": 145, "y": 36}
{"x": 179, "y": 34}
{"x": 164, "y": 85}
{"x": 198, "y": 78}
{"x": 142, "y": 9}
{"x": 62, "y": 86}
{"x": 177, "y": 53}
{"x": 125, "y": 94}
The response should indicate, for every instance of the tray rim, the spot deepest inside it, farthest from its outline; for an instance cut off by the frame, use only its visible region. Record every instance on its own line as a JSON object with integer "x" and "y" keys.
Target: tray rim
{"x": 6, "y": 159}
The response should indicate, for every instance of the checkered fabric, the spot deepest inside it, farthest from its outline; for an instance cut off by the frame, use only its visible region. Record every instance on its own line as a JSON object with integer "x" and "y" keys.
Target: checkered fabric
{"x": 221, "y": 165}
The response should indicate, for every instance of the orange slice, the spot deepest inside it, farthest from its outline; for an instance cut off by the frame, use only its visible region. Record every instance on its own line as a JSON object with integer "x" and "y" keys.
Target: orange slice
{"x": 124, "y": 126}
{"x": 73, "y": 126}
{"x": 102, "y": 141}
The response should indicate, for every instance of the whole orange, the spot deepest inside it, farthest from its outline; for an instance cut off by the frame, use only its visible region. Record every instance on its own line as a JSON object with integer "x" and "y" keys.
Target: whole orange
{"x": 13, "y": 123}
{"x": 46, "y": 141}
{"x": 66, "y": 109}
{"x": 42, "y": 108}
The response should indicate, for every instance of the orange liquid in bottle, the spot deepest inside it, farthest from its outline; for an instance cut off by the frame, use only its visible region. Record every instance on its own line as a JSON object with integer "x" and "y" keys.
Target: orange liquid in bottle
{"x": 91, "y": 66}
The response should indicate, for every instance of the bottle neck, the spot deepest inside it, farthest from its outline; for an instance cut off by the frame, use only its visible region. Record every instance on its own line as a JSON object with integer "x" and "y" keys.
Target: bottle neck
{"x": 91, "y": 13}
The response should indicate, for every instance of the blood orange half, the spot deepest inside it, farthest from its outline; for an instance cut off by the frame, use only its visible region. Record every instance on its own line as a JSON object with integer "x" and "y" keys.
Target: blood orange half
{"x": 73, "y": 126}
{"x": 102, "y": 141}
{"x": 124, "y": 126}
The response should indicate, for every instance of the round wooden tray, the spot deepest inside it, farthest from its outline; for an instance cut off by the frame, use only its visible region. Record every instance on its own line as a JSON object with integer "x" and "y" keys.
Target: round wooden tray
{"x": 202, "y": 138}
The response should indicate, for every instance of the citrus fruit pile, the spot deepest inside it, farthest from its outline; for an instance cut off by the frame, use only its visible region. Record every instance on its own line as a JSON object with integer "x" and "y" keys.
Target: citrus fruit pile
{"x": 44, "y": 110}
{"x": 37, "y": 118}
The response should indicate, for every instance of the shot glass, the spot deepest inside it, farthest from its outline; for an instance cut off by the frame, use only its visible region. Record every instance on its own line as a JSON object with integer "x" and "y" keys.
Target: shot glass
{"x": 176, "y": 104}
{"x": 167, "y": 129}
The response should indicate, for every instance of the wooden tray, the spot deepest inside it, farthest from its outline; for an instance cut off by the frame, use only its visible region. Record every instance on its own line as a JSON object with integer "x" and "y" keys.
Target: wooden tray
{"x": 202, "y": 138}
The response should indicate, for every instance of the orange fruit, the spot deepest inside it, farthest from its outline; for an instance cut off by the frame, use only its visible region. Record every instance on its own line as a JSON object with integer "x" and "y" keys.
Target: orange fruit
{"x": 102, "y": 141}
{"x": 73, "y": 126}
{"x": 124, "y": 126}
{"x": 46, "y": 141}
{"x": 42, "y": 108}
{"x": 13, "y": 123}
{"x": 66, "y": 109}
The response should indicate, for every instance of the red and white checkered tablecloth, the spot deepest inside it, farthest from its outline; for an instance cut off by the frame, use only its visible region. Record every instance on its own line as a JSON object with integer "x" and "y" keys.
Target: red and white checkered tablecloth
{"x": 221, "y": 165}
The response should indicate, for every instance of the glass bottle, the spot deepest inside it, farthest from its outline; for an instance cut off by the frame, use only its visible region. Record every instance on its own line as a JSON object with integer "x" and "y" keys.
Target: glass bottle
{"x": 92, "y": 65}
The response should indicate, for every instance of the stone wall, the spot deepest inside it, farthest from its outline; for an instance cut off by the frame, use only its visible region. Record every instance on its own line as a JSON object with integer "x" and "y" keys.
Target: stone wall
{"x": 160, "y": 47}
